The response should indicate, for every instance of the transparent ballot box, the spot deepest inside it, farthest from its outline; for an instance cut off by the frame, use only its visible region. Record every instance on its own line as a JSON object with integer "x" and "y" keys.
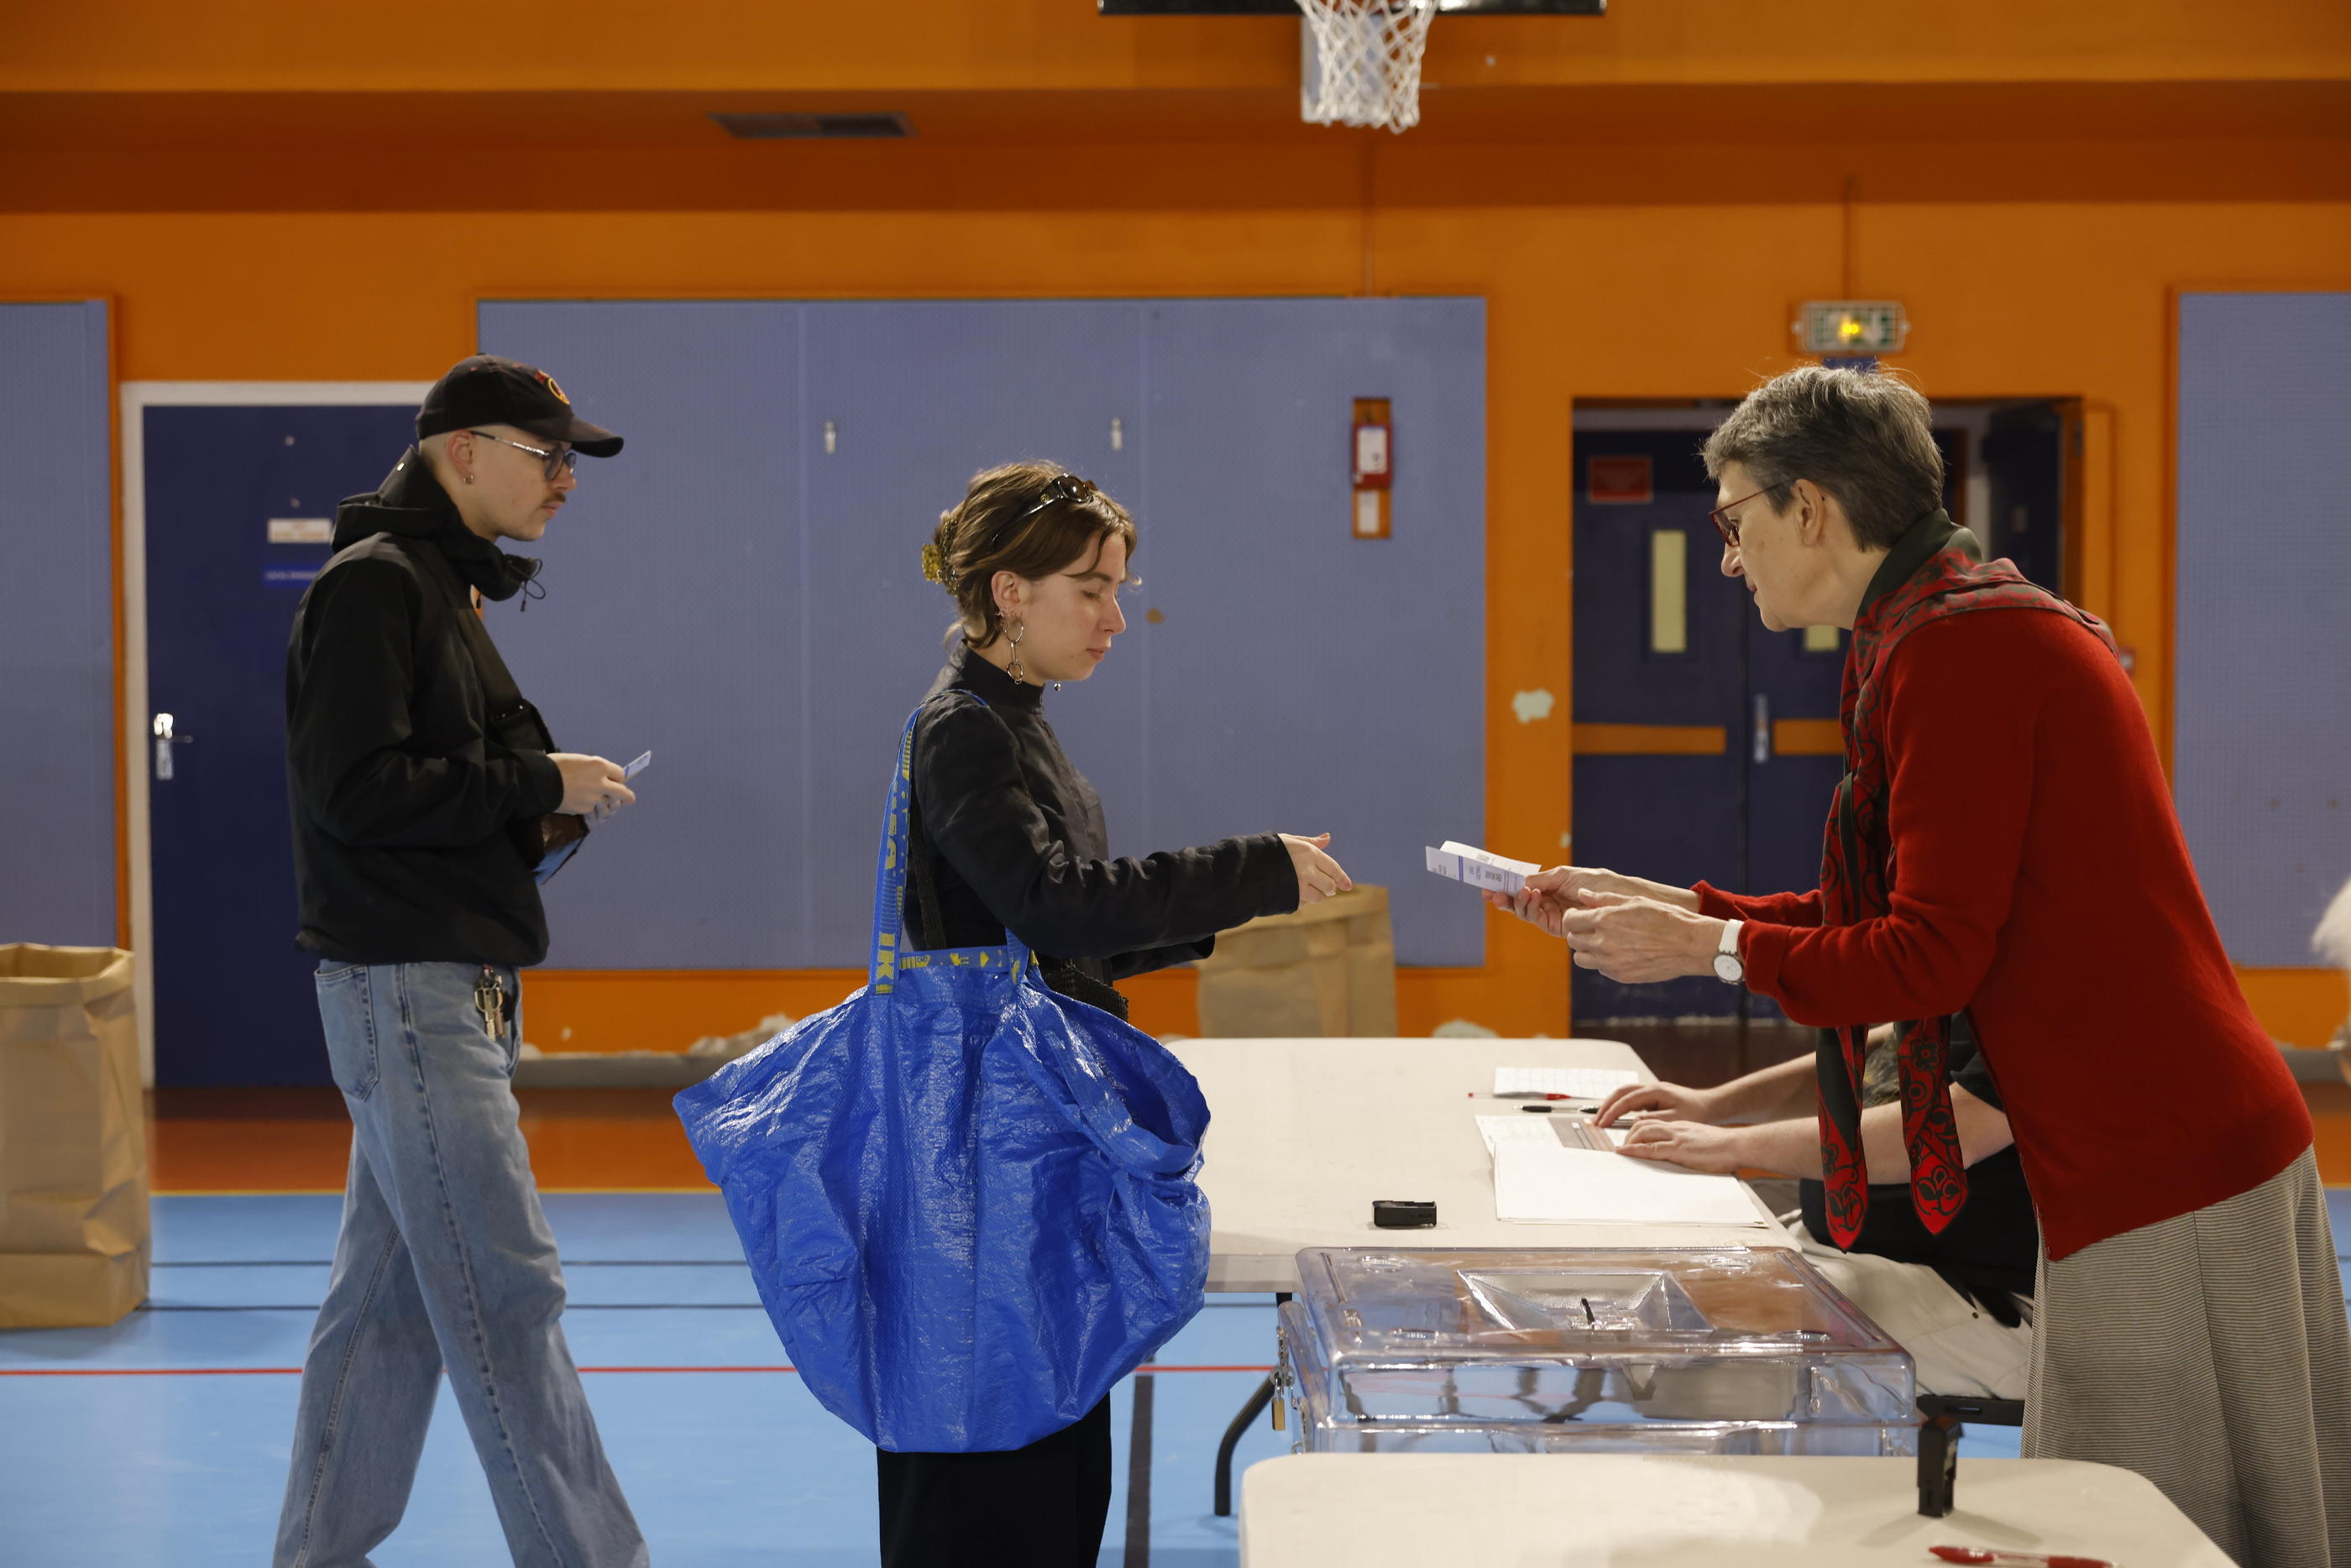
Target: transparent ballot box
{"x": 1697, "y": 1350}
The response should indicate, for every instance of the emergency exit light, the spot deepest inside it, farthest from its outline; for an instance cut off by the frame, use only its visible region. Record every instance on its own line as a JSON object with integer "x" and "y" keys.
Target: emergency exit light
{"x": 1852, "y": 326}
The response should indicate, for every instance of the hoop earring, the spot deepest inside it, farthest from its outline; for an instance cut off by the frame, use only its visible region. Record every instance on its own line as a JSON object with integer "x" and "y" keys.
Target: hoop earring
{"x": 1012, "y": 668}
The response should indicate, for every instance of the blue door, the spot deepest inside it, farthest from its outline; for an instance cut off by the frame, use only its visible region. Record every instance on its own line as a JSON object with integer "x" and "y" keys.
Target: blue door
{"x": 1706, "y": 746}
{"x": 227, "y": 488}
{"x": 1661, "y": 653}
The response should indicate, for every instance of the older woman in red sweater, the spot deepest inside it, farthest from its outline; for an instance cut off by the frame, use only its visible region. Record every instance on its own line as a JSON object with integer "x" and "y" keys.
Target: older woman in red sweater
{"x": 2003, "y": 846}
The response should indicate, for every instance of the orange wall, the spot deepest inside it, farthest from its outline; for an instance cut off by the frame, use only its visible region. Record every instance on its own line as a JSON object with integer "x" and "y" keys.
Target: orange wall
{"x": 857, "y": 45}
{"x": 1585, "y": 302}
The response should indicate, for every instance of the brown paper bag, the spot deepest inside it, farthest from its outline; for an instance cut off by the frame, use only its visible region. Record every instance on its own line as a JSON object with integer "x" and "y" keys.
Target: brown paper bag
{"x": 1327, "y": 969}
{"x": 73, "y": 1139}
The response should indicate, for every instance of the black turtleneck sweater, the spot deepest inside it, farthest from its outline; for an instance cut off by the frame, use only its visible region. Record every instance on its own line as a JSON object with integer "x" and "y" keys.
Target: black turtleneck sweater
{"x": 1016, "y": 841}
{"x": 401, "y": 800}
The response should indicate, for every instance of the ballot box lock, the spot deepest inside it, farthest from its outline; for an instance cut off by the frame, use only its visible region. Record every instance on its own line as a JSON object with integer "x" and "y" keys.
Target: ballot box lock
{"x": 1402, "y": 1214}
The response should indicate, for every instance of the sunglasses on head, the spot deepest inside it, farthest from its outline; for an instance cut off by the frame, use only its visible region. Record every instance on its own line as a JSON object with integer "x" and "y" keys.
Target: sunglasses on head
{"x": 1064, "y": 487}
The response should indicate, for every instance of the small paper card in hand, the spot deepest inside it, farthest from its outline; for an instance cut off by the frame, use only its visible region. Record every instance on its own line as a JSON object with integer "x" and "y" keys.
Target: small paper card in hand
{"x": 1467, "y": 863}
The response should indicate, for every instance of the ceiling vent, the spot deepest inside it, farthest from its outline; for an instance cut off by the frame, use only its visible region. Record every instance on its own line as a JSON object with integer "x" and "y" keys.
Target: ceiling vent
{"x": 814, "y": 127}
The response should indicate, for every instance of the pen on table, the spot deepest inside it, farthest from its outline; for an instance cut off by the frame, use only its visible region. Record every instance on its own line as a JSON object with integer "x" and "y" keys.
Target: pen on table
{"x": 1989, "y": 1554}
{"x": 1525, "y": 1094}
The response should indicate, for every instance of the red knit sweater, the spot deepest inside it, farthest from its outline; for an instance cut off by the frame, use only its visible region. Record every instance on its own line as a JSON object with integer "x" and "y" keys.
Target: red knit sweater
{"x": 2041, "y": 882}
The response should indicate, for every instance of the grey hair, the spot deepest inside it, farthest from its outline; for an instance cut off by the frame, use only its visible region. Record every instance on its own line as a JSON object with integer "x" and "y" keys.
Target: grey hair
{"x": 1863, "y": 436}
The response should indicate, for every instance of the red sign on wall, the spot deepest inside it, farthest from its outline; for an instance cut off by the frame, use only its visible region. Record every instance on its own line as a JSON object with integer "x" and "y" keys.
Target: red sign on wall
{"x": 1618, "y": 482}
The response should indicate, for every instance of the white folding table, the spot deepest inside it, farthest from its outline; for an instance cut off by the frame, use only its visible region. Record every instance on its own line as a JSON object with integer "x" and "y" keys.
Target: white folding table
{"x": 1659, "y": 1511}
{"x": 1304, "y": 1135}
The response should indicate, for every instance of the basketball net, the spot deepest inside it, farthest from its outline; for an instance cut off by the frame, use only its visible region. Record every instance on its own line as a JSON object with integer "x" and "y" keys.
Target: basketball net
{"x": 1369, "y": 53}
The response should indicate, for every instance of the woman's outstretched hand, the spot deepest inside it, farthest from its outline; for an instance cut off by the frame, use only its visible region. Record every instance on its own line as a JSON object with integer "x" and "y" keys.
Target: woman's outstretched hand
{"x": 1549, "y": 896}
{"x": 1319, "y": 876}
{"x": 1639, "y": 941}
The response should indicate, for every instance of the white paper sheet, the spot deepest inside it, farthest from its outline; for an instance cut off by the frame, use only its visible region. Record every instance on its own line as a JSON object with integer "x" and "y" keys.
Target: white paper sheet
{"x": 1583, "y": 1083}
{"x": 1549, "y": 1184}
{"x": 1480, "y": 868}
{"x": 1517, "y": 1129}
{"x": 1540, "y": 1129}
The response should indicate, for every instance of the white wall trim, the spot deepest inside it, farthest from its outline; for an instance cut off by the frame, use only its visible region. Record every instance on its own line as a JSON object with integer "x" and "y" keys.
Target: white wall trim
{"x": 138, "y": 749}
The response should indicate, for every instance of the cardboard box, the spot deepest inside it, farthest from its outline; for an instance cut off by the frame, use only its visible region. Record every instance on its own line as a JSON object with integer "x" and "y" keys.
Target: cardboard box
{"x": 1326, "y": 970}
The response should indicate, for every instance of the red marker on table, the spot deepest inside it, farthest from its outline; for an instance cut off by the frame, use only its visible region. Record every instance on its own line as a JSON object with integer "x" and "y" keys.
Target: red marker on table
{"x": 1986, "y": 1554}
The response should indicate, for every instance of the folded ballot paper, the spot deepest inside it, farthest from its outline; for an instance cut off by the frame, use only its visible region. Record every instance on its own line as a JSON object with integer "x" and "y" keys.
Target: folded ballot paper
{"x": 1549, "y": 1183}
{"x": 1467, "y": 863}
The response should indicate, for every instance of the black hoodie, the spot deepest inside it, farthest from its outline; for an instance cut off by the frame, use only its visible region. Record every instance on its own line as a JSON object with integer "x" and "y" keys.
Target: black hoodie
{"x": 401, "y": 802}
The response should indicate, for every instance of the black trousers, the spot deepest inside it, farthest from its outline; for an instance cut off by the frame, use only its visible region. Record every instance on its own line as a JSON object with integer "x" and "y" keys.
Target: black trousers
{"x": 1038, "y": 1507}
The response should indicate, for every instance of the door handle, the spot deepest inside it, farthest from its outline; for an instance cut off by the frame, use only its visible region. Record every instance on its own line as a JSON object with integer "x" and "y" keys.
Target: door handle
{"x": 164, "y": 738}
{"x": 1762, "y": 727}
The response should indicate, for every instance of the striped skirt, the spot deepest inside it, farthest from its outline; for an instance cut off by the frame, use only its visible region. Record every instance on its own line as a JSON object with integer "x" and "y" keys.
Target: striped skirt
{"x": 2209, "y": 1352}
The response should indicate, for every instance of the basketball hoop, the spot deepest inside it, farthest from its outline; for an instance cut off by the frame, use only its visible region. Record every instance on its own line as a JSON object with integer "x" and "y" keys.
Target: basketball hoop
{"x": 1367, "y": 56}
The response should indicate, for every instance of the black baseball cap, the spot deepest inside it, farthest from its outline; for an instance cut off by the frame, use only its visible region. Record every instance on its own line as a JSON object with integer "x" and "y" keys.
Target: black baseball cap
{"x": 489, "y": 389}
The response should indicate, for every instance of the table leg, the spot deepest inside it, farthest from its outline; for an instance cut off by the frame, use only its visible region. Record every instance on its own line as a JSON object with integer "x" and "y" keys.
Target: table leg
{"x": 1258, "y": 1401}
{"x": 1138, "y": 1479}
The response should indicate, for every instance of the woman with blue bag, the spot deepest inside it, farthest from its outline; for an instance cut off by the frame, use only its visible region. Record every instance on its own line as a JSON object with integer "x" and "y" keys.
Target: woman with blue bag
{"x": 966, "y": 1192}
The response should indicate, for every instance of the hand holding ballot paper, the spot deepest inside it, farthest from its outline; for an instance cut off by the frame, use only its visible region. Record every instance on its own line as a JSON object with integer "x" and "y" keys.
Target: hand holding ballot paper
{"x": 1630, "y": 930}
{"x": 1464, "y": 862}
{"x": 1544, "y": 896}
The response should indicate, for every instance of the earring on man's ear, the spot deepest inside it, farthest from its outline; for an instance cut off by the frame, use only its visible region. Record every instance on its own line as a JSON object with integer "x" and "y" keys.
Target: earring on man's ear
{"x": 1020, "y": 676}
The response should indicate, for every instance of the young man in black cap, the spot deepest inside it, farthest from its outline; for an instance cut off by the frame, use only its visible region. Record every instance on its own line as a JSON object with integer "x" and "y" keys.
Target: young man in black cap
{"x": 428, "y": 798}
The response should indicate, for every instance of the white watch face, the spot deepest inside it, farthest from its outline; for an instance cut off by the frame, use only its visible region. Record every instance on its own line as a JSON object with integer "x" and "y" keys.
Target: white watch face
{"x": 1727, "y": 969}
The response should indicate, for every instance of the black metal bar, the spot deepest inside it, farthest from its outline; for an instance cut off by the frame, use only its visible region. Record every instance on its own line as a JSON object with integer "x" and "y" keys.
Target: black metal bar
{"x": 1938, "y": 1465}
{"x": 1967, "y": 1408}
{"x": 1138, "y": 1478}
{"x": 1249, "y": 1412}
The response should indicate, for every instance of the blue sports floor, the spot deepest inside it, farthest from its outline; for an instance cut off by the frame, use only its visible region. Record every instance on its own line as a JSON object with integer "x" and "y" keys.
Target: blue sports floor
{"x": 162, "y": 1441}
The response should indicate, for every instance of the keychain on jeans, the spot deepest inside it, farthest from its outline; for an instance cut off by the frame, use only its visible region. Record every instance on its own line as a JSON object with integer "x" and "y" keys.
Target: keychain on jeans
{"x": 490, "y": 997}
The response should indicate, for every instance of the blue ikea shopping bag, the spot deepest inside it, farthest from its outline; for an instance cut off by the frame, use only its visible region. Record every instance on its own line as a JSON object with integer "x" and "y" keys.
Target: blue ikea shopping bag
{"x": 969, "y": 1202}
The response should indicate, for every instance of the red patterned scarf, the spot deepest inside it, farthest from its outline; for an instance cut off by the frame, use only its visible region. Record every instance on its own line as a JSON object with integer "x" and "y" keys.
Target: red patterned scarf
{"x": 1935, "y": 570}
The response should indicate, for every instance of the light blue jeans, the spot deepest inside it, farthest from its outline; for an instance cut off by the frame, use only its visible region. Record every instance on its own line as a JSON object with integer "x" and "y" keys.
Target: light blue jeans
{"x": 445, "y": 1263}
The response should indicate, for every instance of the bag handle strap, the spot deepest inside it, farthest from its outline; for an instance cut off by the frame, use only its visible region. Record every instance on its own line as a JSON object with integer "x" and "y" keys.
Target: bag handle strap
{"x": 891, "y": 936}
{"x": 1083, "y": 1092}
{"x": 932, "y": 931}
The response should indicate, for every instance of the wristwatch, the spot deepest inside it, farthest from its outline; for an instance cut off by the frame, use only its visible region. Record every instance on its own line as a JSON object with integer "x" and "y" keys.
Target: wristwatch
{"x": 1727, "y": 967}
